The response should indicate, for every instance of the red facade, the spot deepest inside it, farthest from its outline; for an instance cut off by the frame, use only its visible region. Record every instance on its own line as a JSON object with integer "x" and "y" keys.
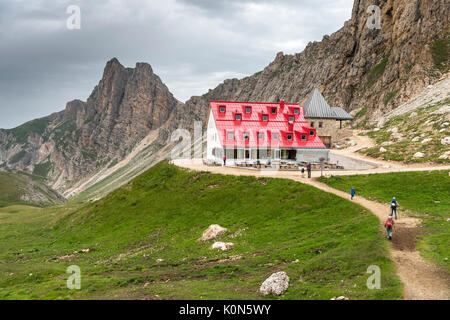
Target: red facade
{"x": 261, "y": 125}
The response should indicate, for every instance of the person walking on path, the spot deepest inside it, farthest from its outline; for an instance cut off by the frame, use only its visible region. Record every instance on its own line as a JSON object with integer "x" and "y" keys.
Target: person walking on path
{"x": 389, "y": 224}
{"x": 224, "y": 160}
{"x": 308, "y": 167}
{"x": 394, "y": 205}
{"x": 303, "y": 172}
{"x": 352, "y": 192}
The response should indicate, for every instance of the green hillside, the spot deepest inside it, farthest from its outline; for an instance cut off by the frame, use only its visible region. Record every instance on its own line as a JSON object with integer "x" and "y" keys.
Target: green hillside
{"x": 16, "y": 188}
{"x": 324, "y": 243}
{"x": 424, "y": 194}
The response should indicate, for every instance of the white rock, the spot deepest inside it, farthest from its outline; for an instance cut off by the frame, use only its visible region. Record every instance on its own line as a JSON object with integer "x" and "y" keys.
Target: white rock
{"x": 426, "y": 140}
{"x": 213, "y": 232}
{"x": 413, "y": 114}
{"x": 422, "y": 135}
{"x": 442, "y": 130}
{"x": 276, "y": 284}
{"x": 418, "y": 155}
{"x": 445, "y": 141}
{"x": 159, "y": 260}
{"x": 224, "y": 246}
{"x": 386, "y": 143}
{"x": 351, "y": 143}
{"x": 340, "y": 298}
{"x": 445, "y": 124}
{"x": 376, "y": 129}
{"x": 397, "y": 136}
{"x": 445, "y": 156}
{"x": 416, "y": 139}
{"x": 382, "y": 149}
{"x": 392, "y": 130}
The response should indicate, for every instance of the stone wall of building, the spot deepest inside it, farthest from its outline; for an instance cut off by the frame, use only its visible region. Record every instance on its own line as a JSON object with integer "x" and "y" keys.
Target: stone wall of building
{"x": 331, "y": 128}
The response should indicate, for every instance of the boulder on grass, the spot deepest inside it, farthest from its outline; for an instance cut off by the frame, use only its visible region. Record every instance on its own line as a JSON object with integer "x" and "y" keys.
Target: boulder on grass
{"x": 446, "y": 141}
{"x": 276, "y": 284}
{"x": 213, "y": 232}
{"x": 340, "y": 298}
{"x": 224, "y": 246}
{"x": 418, "y": 155}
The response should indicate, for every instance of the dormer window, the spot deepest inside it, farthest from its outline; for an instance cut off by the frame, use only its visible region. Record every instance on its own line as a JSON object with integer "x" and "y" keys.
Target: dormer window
{"x": 274, "y": 136}
{"x": 303, "y": 137}
{"x": 274, "y": 110}
{"x": 265, "y": 117}
{"x": 296, "y": 111}
{"x": 245, "y": 136}
{"x": 260, "y": 136}
{"x": 311, "y": 133}
{"x": 291, "y": 118}
{"x": 238, "y": 117}
{"x": 289, "y": 136}
{"x": 312, "y": 124}
{"x": 230, "y": 136}
{"x": 222, "y": 109}
{"x": 248, "y": 110}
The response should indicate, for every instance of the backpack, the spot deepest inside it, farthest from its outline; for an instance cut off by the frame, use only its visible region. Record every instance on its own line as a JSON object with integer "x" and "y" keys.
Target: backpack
{"x": 389, "y": 223}
{"x": 394, "y": 204}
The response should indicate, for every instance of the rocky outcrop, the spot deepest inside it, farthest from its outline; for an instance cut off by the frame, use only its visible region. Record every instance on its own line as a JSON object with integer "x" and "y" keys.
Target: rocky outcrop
{"x": 356, "y": 66}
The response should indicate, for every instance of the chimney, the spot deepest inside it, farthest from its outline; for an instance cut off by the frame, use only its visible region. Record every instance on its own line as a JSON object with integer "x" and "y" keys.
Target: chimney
{"x": 281, "y": 103}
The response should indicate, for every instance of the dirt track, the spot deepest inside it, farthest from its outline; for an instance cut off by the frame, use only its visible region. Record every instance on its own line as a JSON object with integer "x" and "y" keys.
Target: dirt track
{"x": 421, "y": 279}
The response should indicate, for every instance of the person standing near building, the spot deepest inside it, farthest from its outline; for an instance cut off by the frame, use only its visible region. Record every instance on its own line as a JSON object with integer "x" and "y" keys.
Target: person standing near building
{"x": 394, "y": 205}
{"x": 309, "y": 168}
{"x": 352, "y": 192}
{"x": 224, "y": 160}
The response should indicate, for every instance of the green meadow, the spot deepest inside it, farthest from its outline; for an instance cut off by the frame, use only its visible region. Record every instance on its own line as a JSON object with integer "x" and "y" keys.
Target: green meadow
{"x": 143, "y": 242}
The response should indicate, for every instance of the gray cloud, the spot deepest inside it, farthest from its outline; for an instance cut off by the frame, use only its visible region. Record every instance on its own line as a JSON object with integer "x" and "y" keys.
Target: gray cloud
{"x": 192, "y": 44}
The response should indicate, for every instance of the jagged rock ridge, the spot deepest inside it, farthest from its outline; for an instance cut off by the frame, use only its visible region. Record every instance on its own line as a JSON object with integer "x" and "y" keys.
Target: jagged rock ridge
{"x": 69, "y": 145}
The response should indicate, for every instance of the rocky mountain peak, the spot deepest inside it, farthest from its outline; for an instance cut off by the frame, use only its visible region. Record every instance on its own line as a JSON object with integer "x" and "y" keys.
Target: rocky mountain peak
{"x": 121, "y": 110}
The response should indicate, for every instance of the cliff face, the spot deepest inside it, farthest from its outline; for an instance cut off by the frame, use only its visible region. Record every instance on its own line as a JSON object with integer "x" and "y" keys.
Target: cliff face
{"x": 69, "y": 145}
{"x": 356, "y": 66}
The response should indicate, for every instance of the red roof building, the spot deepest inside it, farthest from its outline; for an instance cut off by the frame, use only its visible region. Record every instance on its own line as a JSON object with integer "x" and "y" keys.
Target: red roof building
{"x": 261, "y": 131}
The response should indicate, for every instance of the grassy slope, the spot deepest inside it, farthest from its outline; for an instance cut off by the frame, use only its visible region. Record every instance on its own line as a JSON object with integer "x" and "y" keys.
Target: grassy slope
{"x": 426, "y": 194}
{"x": 162, "y": 213}
{"x": 14, "y": 185}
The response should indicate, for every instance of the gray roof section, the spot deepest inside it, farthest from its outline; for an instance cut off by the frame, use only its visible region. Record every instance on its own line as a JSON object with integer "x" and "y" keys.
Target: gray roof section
{"x": 317, "y": 107}
{"x": 341, "y": 114}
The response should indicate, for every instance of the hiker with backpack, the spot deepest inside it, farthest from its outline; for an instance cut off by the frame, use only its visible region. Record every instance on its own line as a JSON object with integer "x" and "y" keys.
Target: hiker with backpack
{"x": 352, "y": 192}
{"x": 389, "y": 224}
{"x": 394, "y": 205}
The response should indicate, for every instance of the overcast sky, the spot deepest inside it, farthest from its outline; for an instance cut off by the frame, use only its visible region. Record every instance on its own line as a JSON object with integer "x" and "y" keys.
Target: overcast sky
{"x": 193, "y": 45}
